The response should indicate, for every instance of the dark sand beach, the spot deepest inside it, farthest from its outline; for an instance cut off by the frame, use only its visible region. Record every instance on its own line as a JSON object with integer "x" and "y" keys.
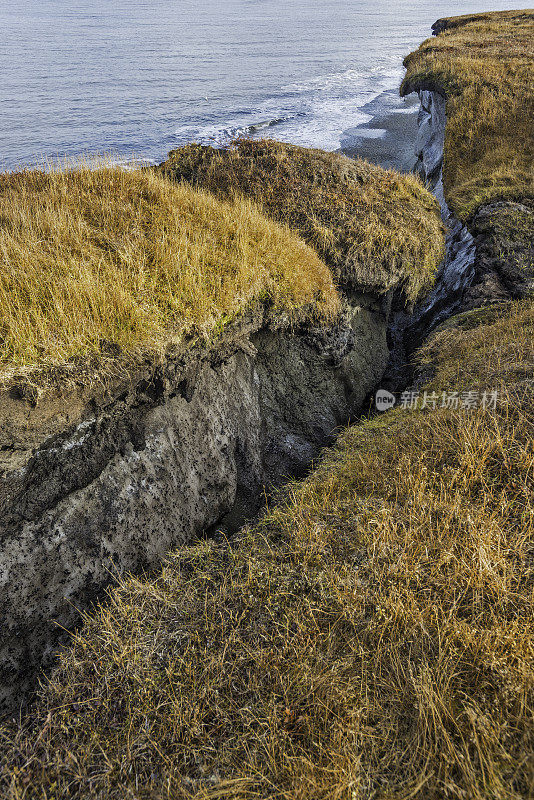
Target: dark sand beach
{"x": 389, "y": 137}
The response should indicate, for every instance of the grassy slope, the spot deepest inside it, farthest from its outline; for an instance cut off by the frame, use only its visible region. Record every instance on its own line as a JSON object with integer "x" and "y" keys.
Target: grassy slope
{"x": 484, "y": 65}
{"x": 372, "y": 227}
{"x": 371, "y": 637}
{"x": 129, "y": 258}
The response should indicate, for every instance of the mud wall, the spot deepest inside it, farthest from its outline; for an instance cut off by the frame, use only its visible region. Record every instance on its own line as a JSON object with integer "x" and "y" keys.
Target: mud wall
{"x": 114, "y": 486}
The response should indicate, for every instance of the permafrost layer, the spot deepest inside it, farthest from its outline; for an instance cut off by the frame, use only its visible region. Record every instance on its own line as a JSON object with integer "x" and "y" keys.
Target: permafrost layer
{"x": 110, "y": 488}
{"x": 457, "y": 270}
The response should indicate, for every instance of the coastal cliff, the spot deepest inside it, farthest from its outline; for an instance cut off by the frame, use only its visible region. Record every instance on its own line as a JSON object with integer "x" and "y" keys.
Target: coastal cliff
{"x": 371, "y": 634}
{"x": 457, "y": 270}
{"x": 475, "y": 148}
{"x": 109, "y": 460}
{"x": 191, "y": 445}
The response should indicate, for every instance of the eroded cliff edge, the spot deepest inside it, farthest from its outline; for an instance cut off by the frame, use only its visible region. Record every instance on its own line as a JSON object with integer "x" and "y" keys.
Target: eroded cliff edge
{"x": 476, "y": 151}
{"x": 490, "y": 255}
{"x": 410, "y": 545}
{"x": 122, "y": 480}
{"x": 286, "y": 325}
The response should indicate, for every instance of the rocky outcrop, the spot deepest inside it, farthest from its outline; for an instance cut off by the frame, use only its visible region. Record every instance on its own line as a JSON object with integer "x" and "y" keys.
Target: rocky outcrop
{"x": 504, "y": 264}
{"x": 92, "y": 486}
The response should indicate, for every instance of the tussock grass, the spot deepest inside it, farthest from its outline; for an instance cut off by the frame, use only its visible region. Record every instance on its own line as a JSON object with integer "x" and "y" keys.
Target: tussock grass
{"x": 484, "y": 64}
{"x": 371, "y": 637}
{"x": 374, "y": 228}
{"x": 105, "y": 255}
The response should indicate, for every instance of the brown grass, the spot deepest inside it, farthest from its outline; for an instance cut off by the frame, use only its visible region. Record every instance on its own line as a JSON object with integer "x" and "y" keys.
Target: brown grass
{"x": 107, "y": 255}
{"x": 372, "y": 637}
{"x": 373, "y": 227}
{"x": 484, "y": 65}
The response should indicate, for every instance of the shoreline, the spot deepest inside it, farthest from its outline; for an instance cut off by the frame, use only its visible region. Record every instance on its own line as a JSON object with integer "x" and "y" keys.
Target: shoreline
{"x": 388, "y": 138}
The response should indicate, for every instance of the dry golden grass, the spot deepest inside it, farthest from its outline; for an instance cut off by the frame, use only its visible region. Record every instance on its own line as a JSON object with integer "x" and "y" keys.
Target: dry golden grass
{"x": 485, "y": 66}
{"x": 106, "y": 255}
{"x": 371, "y": 637}
{"x": 373, "y": 227}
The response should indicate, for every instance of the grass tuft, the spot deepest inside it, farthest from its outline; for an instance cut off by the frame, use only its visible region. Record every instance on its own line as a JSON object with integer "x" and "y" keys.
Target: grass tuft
{"x": 374, "y": 228}
{"x": 90, "y": 257}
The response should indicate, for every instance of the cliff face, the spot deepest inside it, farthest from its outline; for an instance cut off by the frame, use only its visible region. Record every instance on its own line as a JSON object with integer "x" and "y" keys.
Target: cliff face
{"x": 91, "y": 488}
{"x": 490, "y": 258}
{"x": 457, "y": 270}
{"x": 407, "y": 331}
{"x": 477, "y": 70}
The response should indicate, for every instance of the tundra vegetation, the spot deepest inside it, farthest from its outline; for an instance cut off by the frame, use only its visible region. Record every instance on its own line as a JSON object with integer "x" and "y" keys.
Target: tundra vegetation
{"x": 105, "y": 259}
{"x": 373, "y": 227}
{"x": 370, "y": 637}
{"x": 484, "y": 65}
{"x": 91, "y": 256}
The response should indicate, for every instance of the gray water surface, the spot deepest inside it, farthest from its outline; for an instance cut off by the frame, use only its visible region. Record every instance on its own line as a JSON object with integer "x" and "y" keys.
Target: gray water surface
{"x": 138, "y": 78}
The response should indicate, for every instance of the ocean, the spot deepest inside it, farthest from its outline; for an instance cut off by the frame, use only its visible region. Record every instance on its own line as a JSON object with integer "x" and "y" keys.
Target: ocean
{"x": 135, "y": 79}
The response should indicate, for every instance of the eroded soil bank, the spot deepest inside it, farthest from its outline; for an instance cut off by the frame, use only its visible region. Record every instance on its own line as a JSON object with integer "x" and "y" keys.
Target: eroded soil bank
{"x": 489, "y": 259}
{"x": 98, "y": 484}
{"x": 92, "y": 486}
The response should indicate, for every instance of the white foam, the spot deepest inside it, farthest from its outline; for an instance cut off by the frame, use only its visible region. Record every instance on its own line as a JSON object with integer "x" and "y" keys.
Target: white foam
{"x": 312, "y": 114}
{"x": 369, "y": 133}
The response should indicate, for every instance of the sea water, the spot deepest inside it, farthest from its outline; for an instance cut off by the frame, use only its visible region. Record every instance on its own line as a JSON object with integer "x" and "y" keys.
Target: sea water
{"x": 138, "y": 78}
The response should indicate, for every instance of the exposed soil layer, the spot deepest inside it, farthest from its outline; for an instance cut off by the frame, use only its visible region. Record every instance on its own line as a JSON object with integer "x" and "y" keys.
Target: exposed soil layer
{"x": 92, "y": 485}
